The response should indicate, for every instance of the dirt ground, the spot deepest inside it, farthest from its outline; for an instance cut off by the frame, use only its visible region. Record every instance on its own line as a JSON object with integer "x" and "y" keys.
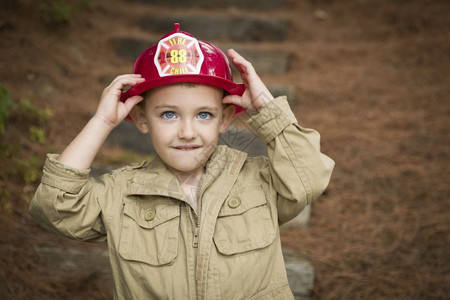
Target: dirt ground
{"x": 372, "y": 76}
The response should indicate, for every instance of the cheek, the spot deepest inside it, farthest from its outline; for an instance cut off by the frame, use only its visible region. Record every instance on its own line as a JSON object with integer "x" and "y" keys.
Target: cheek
{"x": 210, "y": 133}
{"x": 158, "y": 133}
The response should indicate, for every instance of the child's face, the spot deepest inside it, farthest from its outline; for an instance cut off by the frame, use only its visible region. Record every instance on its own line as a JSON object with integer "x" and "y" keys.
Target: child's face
{"x": 184, "y": 123}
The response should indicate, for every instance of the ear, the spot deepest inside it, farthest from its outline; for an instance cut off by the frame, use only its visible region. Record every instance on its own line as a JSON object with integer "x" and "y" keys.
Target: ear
{"x": 227, "y": 115}
{"x": 137, "y": 114}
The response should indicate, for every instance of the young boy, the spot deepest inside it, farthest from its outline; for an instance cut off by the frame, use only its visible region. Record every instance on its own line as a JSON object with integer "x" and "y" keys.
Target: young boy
{"x": 200, "y": 221}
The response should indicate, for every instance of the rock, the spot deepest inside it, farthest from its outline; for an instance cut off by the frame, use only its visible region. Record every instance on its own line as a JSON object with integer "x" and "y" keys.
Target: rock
{"x": 299, "y": 221}
{"x": 218, "y": 26}
{"x": 128, "y": 137}
{"x": 98, "y": 170}
{"x": 77, "y": 265}
{"x": 267, "y": 61}
{"x": 300, "y": 274}
{"x": 73, "y": 258}
{"x": 321, "y": 15}
{"x": 284, "y": 90}
{"x": 241, "y": 137}
{"x": 216, "y": 4}
{"x": 130, "y": 48}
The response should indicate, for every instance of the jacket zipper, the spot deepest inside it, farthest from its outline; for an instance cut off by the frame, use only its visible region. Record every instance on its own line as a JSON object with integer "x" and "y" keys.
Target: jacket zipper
{"x": 196, "y": 225}
{"x": 199, "y": 206}
{"x": 195, "y": 242}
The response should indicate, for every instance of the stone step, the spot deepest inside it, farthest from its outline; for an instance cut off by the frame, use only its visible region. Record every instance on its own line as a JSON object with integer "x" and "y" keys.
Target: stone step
{"x": 126, "y": 136}
{"x": 300, "y": 274}
{"x": 99, "y": 169}
{"x": 219, "y": 26}
{"x": 267, "y": 61}
{"x": 219, "y": 4}
{"x": 129, "y": 48}
{"x": 92, "y": 265}
{"x": 82, "y": 268}
{"x": 300, "y": 221}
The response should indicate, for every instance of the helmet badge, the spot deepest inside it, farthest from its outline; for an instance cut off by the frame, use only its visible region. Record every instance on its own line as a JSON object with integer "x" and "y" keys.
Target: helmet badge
{"x": 178, "y": 54}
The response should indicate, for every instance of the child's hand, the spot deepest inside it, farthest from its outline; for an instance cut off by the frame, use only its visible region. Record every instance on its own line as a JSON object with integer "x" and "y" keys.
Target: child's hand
{"x": 256, "y": 94}
{"x": 110, "y": 109}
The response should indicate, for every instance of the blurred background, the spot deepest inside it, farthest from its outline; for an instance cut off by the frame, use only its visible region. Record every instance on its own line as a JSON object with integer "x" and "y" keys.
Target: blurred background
{"x": 372, "y": 76}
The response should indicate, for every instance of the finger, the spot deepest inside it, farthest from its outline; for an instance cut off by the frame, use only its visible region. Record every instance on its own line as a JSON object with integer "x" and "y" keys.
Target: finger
{"x": 127, "y": 76}
{"x": 234, "y": 54}
{"x": 243, "y": 65}
{"x": 130, "y": 103}
{"x": 127, "y": 79}
{"x": 232, "y": 99}
{"x": 116, "y": 87}
{"x": 248, "y": 73}
{"x": 241, "y": 101}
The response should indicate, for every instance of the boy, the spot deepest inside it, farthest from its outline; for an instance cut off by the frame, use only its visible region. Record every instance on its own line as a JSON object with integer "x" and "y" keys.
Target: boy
{"x": 200, "y": 221}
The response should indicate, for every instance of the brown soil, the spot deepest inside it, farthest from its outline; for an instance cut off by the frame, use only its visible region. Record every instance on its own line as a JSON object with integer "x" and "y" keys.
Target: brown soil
{"x": 372, "y": 76}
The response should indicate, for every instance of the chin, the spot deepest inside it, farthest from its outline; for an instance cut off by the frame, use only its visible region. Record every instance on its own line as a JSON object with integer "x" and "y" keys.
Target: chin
{"x": 187, "y": 167}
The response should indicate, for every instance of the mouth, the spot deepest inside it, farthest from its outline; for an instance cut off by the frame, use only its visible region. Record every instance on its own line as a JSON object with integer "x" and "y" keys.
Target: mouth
{"x": 186, "y": 147}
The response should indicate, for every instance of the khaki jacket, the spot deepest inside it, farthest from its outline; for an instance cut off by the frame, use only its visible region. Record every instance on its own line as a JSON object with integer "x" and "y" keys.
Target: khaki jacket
{"x": 161, "y": 248}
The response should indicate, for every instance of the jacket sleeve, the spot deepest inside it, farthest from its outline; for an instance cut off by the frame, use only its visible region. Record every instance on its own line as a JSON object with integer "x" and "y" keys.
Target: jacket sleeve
{"x": 66, "y": 202}
{"x": 297, "y": 170}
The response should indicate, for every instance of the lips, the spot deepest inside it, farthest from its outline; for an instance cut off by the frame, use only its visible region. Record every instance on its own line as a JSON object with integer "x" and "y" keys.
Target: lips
{"x": 187, "y": 147}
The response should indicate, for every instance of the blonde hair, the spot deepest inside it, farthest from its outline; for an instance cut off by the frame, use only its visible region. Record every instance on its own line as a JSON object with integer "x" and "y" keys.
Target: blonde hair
{"x": 185, "y": 84}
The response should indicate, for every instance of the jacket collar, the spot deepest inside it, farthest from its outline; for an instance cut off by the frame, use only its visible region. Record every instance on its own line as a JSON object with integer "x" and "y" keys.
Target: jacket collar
{"x": 223, "y": 160}
{"x": 156, "y": 179}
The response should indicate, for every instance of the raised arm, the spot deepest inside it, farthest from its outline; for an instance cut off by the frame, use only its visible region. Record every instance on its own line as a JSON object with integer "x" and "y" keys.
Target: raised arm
{"x": 80, "y": 153}
{"x": 298, "y": 171}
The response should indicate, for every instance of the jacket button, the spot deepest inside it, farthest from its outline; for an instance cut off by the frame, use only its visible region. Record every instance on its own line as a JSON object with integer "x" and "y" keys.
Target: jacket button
{"x": 150, "y": 214}
{"x": 234, "y": 202}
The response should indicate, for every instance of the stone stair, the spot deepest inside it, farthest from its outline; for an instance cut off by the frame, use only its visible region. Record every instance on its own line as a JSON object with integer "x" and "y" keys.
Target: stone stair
{"x": 219, "y": 4}
{"x": 257, "y": 36}
{"x": 220, "y": 26}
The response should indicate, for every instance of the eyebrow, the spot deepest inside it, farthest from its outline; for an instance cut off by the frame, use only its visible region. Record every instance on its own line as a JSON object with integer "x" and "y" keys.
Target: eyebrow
{"x": 165, "y": 107}
{"x": 208, "y": 108}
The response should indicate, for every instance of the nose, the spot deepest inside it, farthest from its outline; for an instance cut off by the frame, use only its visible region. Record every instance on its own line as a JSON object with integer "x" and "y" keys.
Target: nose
{"x": 187, "y": 130}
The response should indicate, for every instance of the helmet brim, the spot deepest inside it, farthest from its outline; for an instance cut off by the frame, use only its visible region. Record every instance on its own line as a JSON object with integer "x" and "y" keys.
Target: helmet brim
{"x": 229, "y": 86}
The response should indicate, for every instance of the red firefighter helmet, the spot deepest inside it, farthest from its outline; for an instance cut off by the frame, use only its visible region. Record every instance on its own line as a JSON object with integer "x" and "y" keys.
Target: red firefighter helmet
{"x": 180, "y": 57}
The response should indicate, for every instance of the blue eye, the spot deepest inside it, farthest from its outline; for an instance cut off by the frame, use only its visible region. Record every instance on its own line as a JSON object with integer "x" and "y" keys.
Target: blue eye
{"x": 204, "y": 115}
{"x": 168, "y": 115}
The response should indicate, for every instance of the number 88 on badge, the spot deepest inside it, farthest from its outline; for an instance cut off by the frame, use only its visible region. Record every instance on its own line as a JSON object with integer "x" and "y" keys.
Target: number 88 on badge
{"x": 178, "y": 54}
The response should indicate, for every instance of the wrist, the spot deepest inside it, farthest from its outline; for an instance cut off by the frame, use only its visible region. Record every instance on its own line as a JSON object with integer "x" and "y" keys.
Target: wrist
{"x": 260, "y": 101}
{"x": 102, "y": 123}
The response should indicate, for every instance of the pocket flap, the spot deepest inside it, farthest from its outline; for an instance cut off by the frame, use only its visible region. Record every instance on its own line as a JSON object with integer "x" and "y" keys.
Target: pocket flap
{"x": 240, "y": 203}
{"x": 151, "y": 215}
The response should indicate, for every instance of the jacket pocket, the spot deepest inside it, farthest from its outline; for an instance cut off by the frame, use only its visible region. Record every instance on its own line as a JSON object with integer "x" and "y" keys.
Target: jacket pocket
{"x": 245, "y": 223}
{"x": 150, "y": 231}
